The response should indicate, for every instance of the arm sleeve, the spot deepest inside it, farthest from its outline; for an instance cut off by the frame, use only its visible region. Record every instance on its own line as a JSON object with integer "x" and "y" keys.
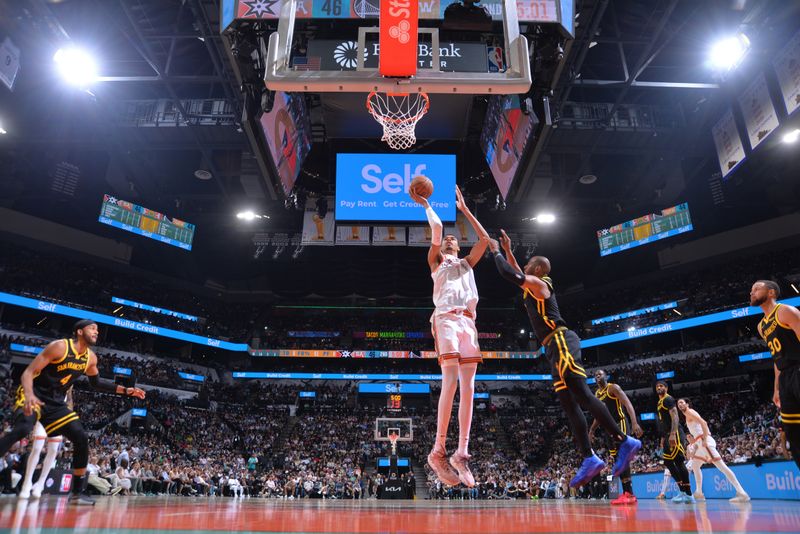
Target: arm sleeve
{"x": 436, "y": 226}
{"x": 101, "y": 384}
{"x": 506, "y": 271}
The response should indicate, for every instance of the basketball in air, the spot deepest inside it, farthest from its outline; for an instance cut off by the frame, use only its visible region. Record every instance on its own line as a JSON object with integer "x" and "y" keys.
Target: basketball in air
{"x": 422, "y": 186}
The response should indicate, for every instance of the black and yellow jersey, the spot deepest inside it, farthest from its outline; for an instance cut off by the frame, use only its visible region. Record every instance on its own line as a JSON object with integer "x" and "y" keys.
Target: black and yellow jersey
{"x": 52, "y": 382}
{"x": 543, "y": 313}
{"x": 662, "y": 413}
{"x": 781, "y": 340}
{"x": 614, "y": 405}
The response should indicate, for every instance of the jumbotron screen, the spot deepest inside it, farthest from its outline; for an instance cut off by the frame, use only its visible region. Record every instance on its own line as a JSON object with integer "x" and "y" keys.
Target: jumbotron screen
{"x": 145, "y": 222}
{"x": 671, "y": 221}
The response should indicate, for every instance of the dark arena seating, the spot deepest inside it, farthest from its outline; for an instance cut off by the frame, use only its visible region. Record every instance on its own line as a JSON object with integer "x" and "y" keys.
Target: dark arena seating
{"x": 230, "y": 297}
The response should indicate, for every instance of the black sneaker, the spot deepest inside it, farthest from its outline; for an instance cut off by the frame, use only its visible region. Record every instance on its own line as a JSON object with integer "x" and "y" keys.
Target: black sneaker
{"x": 81, "y": 499}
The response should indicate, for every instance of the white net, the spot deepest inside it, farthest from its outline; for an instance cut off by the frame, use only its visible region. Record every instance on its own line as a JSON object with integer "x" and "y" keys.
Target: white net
{"x": 398, "y": 113}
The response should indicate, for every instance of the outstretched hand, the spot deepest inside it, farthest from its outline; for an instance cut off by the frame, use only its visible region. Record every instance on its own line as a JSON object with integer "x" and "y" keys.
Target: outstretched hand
{"x": 460, "y": 204}
{"x": 505, "y": 241}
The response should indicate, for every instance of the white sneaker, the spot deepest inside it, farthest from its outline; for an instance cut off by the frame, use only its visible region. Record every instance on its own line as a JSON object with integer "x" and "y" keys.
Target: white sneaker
{"x": 25, "y": 492}
{"x": 37, "y": 490}
{"x": 698, "y": 496}
{"x": 740, "y": 497}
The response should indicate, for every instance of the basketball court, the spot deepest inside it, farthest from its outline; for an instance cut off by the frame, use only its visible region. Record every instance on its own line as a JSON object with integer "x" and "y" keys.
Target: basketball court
{"x": 139, "y": 514}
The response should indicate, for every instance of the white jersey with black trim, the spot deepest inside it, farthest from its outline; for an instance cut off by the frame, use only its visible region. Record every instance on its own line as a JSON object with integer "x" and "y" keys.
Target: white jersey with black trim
{"x": 454, "y": 287}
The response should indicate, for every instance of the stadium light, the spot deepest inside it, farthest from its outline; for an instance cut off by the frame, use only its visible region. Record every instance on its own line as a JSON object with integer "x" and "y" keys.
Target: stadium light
{"x": 791, "y": 137}
{"x": 249, "y": 215}
{"x": 545, "y": 218}
{"x": 728, "y": 52}
{"x": 2, "y": 130}
{"x": 76, "y": 66}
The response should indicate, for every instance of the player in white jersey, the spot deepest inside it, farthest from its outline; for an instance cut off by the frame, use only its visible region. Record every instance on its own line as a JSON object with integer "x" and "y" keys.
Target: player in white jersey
{"x": 455, "y": 336}
{"x": 703, "y": 449}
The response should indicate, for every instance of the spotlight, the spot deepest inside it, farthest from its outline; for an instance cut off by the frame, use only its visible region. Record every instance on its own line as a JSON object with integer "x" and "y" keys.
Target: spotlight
{"x": 249, "y": 215}
{"x": 2, "y": 130}
{"x": 791, "y": 137}
{"x": 631, "y": 328}
{"x": 545, "y": 218}
{"x": 76, "y": 66}
{"x": 728, "y": 52}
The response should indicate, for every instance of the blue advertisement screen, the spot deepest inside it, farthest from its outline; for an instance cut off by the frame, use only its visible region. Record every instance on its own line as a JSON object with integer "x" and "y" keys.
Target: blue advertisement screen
{"x": 481, "y": 395}
{"x": 374, "y": 187}
{"x": 754, "y": 357}
{"x": 386, "y": 462}
{"x": 649, "y": 416}
{"x": 394, "y": 388}
{"x": 307, "y": 394}
{"x": 191, "y": 377}
{"x": 122, "y": 371}
{"x": 665, "y": 374}
{"x": 139, "y": 412}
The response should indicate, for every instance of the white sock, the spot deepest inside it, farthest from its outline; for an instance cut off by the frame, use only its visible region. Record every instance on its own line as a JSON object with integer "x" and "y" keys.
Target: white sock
{"x": 698, "y": 476}
{"x": 722, "y": 466}
{"x": 49, "y": 462}
{"x": 33, "y": 461}
{"x": 466, "y": 381}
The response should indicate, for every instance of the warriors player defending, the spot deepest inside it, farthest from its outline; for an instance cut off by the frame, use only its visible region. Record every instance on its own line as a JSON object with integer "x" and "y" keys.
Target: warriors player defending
{"x": 42, "y": 393}
{"x": 455, "y": 336}
{"x": 703, "y": 449}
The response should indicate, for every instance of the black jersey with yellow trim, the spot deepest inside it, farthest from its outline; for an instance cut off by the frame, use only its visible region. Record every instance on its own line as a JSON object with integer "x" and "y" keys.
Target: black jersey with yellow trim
{"x": 613, "y": 403}
{"x": 51, "y": 383}
{"x": 543, "y": 313}
{"x": 663, "y": 418}
{"x": 781, "y": 340}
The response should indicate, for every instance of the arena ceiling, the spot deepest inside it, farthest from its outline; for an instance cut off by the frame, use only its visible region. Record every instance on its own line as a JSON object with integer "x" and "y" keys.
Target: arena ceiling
{"x": 630, "y": 58}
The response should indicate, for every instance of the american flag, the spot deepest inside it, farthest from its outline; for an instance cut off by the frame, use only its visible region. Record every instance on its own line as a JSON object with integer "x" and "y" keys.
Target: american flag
{"x": 307, "y": 63}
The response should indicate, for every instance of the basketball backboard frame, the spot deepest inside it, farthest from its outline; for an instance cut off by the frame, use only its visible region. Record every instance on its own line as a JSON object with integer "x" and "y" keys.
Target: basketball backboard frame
{"x": 515, "y": 79}
{"x": 384, "y": 425}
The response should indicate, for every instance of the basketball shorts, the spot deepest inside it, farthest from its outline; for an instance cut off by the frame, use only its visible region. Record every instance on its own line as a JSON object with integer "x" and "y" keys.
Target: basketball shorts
{"x": 563, "y": 351}
{"x": 705, "y": 453}
{"x": 456, "y": 337}
{"x": 789, "y": 392}
{"x": 625, "y": 426}
{"x": 53, "y": 417}
{"x": 673, "y": 452}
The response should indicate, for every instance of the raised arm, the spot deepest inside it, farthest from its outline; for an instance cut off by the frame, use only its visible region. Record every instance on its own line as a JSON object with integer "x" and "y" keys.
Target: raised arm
{"x": 505, "y": 242}
{"x": 435, "y": 252}
{"x": 476, "y": 253}
{"x": 56, "y": 350}
{"x": 626, "y": 402}
{"x": 532, "y": 283}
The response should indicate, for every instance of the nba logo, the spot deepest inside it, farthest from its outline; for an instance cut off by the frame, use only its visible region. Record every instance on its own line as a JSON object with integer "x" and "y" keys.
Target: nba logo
{"x": 66, "y": 483}
{"x": 496, "y": 63}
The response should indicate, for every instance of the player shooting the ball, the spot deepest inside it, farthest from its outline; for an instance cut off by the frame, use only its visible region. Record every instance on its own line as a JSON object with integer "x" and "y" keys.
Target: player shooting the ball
{"x": 455, "y": 297}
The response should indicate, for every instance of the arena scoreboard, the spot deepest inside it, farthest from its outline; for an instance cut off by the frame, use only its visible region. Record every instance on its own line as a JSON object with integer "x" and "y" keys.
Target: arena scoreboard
{"x": 643, "y": 230}
{"x": 146, "y": 222}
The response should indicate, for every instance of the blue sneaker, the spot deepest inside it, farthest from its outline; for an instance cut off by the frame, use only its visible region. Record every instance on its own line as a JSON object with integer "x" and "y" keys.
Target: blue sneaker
{"x": 589, "y": 469}
{"x": 688, "y": 499}
{"x": 625, "y": 454}
{"x": 679, "y": 498}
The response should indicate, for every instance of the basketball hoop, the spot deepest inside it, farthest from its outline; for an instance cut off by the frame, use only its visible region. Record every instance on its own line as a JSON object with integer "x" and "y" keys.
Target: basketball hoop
{"x": 399, "y": 114}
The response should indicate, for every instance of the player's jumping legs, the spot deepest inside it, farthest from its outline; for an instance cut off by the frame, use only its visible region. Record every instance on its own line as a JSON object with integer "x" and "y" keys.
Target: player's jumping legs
{"x": 466, "y": 380}
{"x": 437, "y": 458}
